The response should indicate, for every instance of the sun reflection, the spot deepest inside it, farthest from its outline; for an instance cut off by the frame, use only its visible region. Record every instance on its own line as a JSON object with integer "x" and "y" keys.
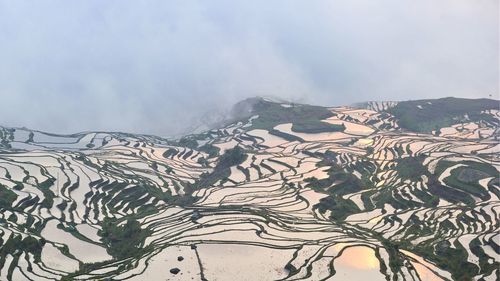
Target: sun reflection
{"x": 358, "y": 257}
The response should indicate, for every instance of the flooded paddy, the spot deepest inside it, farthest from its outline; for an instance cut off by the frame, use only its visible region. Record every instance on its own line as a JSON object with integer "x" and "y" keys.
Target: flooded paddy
{"x": 357, "y": 263}
{"x": 259, "y": 219}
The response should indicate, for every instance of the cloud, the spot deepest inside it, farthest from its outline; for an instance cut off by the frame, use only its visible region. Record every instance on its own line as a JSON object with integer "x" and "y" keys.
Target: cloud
{"x": 154, "y": 66}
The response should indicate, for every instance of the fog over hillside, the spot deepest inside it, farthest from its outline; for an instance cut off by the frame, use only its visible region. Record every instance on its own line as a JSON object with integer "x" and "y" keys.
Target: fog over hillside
{"x": 158, "y": 66}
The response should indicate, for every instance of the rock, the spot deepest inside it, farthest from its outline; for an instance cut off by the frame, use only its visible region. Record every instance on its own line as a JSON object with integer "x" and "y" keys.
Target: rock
{"x": 175, "y": 270}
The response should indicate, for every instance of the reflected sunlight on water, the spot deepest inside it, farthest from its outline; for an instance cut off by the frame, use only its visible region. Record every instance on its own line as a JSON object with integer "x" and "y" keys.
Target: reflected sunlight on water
{"x": 358, "y": 263}
{"x": 358, "y": 257}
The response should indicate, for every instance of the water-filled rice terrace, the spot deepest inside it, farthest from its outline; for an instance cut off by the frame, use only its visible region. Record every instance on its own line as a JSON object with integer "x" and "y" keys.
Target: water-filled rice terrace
{"x": 341, "y": 194}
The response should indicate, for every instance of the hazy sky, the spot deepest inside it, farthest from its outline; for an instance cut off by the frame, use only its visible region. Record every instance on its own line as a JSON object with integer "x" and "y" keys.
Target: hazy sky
{"x": 153, "y": 66}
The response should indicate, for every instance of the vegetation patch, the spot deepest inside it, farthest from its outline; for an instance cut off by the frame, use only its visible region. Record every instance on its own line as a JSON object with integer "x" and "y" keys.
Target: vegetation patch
{"x": 231, "y": 157}
{"x": 450, "y": 259}
{"x": 7, "y": 197}
{"x": 305, "y": 118}
{"x": 285, "y": 136}
{"x": 123, "y": 241}
{"x": 439, "y": 113}
{"x": 340, "y": 208}
{"x": 316, "y": 127}
{"x": 464, "y": 181}
{"x": 211, "y": 150}
{"x": 411, "y": 167}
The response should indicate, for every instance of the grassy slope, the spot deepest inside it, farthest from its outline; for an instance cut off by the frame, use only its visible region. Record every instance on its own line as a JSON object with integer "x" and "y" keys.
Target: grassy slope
{"x": 305, "y": 118}
{"x": 441, "y": 112}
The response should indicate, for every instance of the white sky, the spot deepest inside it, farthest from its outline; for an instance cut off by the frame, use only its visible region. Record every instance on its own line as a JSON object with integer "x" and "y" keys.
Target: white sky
{"x": 152, "y": 66}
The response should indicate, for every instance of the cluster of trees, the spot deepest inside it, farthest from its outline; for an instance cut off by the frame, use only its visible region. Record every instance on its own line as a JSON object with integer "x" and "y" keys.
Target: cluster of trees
{"x": 123, "y": 241}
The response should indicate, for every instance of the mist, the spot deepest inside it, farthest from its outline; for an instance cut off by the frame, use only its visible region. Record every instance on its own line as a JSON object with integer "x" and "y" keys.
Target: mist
{"x": 156, "y": 67}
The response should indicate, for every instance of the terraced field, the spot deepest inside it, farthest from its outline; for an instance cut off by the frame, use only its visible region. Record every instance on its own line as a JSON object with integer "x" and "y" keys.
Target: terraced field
{"x": 308, "y": 193}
